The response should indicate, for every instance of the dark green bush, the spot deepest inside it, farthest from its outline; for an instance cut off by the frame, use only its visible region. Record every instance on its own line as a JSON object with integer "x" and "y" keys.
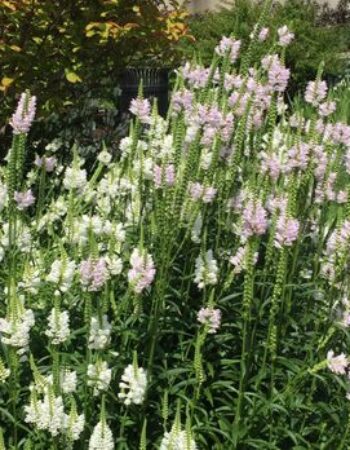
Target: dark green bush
{"x": 72, "y": 54}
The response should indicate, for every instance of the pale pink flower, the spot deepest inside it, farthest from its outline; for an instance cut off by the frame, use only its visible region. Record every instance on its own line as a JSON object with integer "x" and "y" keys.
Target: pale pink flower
{"x": 254, "y": 219}
{"x": 24, "y": 199}
{"x": 316, "y": 91}
{"x": 285, "y": 36}
{"x": 337, "y": 364}
{"x": 262, "y": 36}
{"x": 327, "y": 108}
{"x": 142, "y": 272}
{"x": 164, "y": 175}
{"x": 228, "y": 46}
{"x": 48, "y": 162}
{"x": 141, "y": 108}
{"x": 210, "y": 317}
{"x": 209, "y": 194}
{"x": 93, "y": 274}
{"x": 287, "y": 230}
{"x": 23, "y": 117}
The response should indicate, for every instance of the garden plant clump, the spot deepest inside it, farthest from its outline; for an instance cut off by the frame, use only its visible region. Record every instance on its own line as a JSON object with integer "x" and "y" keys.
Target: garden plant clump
{"x": 192, "y": 292}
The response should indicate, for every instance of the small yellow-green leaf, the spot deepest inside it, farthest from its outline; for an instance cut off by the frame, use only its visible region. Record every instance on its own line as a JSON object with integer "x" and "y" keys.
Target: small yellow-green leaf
{"x": 72, "y": 77}
{"x": 6, "y": 81}
{"x": 15, "y": 48}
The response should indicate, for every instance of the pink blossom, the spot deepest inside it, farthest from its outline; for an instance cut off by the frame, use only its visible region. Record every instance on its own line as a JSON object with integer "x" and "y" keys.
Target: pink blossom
{"x": 337, "y": 364}
{"x": 24, "y": 199}
{"x": 287, "y": 230}
{"x": 277, "y": 203}
{"x": 239, "y": 259}
{"x": 182, "y": 100}
{"x": 271, "y": 165}
{"x": 342, "y": 197}
{"x": 197, "y": 76}
{"x": 285, "y": 36}
{"x": 142, "y": 272}
{"x": 298, "y": 157}
{"x": 278, "y": 76}
{"x": 321, "y": 159}
{"x": 93, "y": 274}
{"x": 23, "y": 117}
{"x": 48, "y": 162}
{"x": 327, "y": 108}
{"x": 165, "y": 175}
{"x": 316, "y": 91}
{"x": 141, "y": 108}
{"x": 228, "y": 46}
{"x": 195, "y": 190}
{"x": 210, "y": 317}
{"x": 254, "y": 219}
{"x": 262, "y": 36}
{"x": 209, "y": 194}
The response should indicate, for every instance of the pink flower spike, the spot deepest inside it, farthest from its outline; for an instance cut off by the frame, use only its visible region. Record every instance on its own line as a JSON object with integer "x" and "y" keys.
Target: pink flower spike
{"x": 23, "y": 117}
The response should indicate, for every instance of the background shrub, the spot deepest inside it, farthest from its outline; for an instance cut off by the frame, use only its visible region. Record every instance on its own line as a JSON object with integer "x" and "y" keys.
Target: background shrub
{"x": 69, "y": 54}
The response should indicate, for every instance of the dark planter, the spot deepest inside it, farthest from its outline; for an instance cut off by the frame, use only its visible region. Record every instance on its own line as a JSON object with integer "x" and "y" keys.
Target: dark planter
{"x": 155, "y": 83}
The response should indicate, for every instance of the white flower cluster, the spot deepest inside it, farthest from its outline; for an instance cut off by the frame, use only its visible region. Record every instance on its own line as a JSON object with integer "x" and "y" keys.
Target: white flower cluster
{"x": 133, "y": 385}
{"x": 58, "y": 326}
{"x": 75, "y": 178}
{"x": 15, "y": 332}
{"x": 48, "y": 414}
{"x": 206, "y": 272}
{"x": 100, "y": 334}
{"x": 177, "y": 440}
{"x": 101, "y": 438}
{"x": 62, "y": 274}
{"x": 99, "y": 376}
{"x": 68, "y": 381}
{"x": 73, "y": 425}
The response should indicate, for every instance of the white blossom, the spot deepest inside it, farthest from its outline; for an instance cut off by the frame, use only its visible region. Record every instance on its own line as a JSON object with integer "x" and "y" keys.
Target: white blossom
{"x": 100, "y": 334}
{"x": 101, "y": 438}
{"x": 68, "y": 381}
{"x": 74, "y": 425}
{"x": 133, "y": 385}
{"x": 99, "y": 376}
{"x": 58, "y": 326}
{"x": 104, "y": 157}
{"x": 15, "y": 332}
{"x": 47, "y": 414}
{"x": 206, "y": 272}
{"x": 62, "y": 273}
{"x": 75, "y": 178}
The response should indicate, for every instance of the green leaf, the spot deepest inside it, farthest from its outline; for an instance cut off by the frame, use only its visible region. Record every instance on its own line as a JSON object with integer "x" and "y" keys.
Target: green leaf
{"x": 73, "y": 77}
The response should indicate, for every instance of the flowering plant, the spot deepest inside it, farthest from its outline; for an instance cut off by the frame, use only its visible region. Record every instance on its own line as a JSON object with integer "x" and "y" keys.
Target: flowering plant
{"x": 191, "y": 292}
